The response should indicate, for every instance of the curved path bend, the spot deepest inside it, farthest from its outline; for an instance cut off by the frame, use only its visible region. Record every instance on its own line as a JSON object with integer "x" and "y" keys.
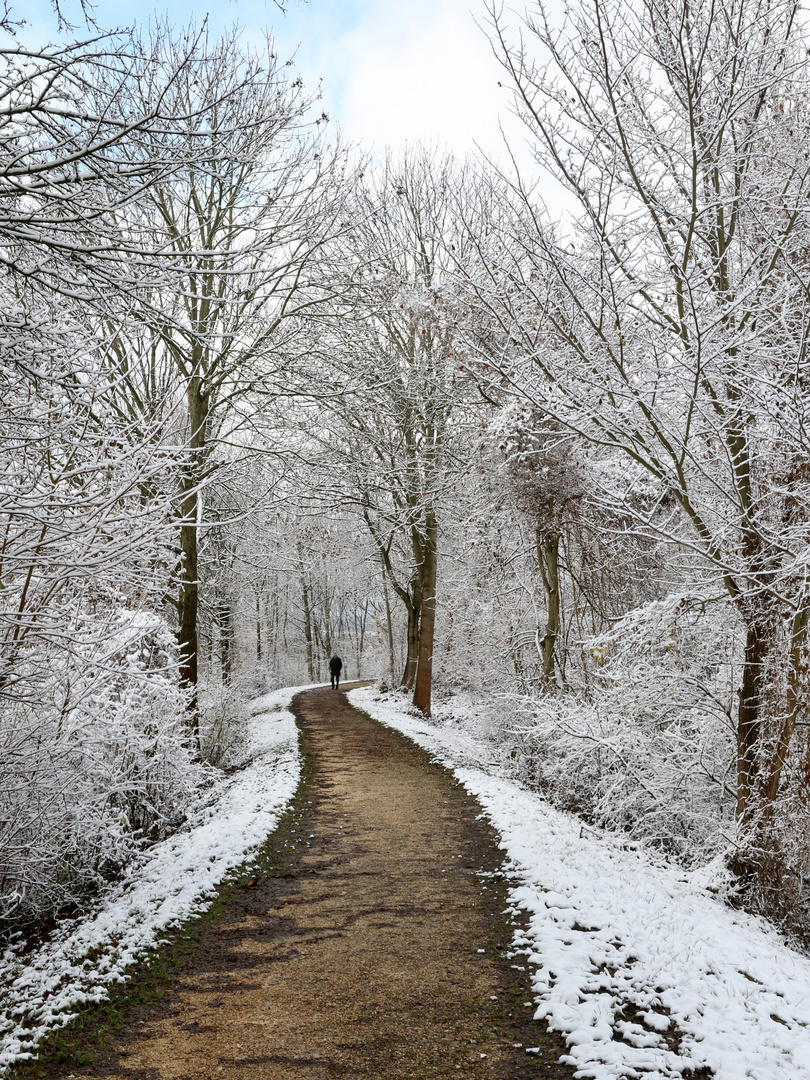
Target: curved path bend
{"x": 379, "y": 951}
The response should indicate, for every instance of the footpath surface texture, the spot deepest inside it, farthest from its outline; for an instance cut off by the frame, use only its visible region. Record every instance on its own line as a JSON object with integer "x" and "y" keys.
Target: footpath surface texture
{"x": 380, "y": 950}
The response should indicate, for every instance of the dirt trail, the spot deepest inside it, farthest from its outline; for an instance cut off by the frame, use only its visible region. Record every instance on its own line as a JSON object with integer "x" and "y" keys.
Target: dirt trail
{"x": 377, "y": 953}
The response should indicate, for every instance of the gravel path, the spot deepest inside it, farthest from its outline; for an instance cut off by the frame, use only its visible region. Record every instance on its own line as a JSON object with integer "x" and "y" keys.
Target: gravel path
{"x": 379, "y": 951}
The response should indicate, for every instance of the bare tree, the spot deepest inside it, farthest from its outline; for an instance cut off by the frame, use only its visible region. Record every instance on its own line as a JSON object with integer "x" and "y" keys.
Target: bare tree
{"x": 238, "y": 229}
{"x": 397, "y": 417}
{"x": 668, "y": 319}
{"x": 92, "y": 760}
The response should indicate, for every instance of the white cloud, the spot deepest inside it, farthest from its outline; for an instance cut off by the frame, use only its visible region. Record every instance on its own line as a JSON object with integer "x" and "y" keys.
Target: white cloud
{"x": 408, "y": 71}
{"x": 393, "y": 71}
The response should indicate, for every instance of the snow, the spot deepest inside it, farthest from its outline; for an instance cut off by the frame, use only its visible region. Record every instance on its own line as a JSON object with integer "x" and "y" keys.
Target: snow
{"x": 641, "y": 968}
{"x": 176, "y": 879}
{"x": 644, "y": 971}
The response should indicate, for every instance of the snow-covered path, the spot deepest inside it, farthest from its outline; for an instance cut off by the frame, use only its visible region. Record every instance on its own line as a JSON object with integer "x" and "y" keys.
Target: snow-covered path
{"x": 176, "y": 879}
{"x": 623, "y": 950}
{"x": 624, "y": 953}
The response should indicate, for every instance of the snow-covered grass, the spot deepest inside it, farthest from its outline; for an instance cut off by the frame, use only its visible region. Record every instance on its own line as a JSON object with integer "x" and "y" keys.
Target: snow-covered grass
{"x": 644, "y": 971}
{"x": 176, "y": 879}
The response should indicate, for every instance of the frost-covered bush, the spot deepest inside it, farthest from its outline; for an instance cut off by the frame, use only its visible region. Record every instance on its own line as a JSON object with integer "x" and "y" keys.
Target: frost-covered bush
{"x": 95, "y": 767}
{"x": 646, "y": 745}
{"x": 224, "y": 715}
{"x": 95, "y": 759}
{"x": 649, "y": 746}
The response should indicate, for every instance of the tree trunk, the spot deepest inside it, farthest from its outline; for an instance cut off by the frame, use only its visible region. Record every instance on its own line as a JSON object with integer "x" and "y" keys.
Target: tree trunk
{"x": 225, "y": 627}
{"x": 308, "y": 629}
{"x": 258, "y": 629}
{"x": 413, "y": 608}
{"x": 797, "y": 674}
{"x": 327, "y": 630}
{"x": 189, "y": 597}
{"x": 749, "y": 720}
{"x": 389, "y": 624}
{"x": 360, "y": 634}
{"x": 427, "y": 621}
{"x": 548, "y": 558}
{"x": 319, "y": 651}
{"x": 197, "y": 403}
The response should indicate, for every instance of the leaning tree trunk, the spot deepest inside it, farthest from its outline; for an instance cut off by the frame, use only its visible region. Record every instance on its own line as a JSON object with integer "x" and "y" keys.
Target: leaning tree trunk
{"x": 427, "y": 622}
{"x": 411, "y": 597}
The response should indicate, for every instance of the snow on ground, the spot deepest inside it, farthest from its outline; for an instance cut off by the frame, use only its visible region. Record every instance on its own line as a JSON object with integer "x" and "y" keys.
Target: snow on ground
{"x": 623, "y": 952}
{"x": 176, "y": 879}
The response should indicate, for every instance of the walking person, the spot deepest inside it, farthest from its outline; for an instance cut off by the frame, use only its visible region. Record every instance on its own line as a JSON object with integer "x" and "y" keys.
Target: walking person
{"x": 335, "y": 667}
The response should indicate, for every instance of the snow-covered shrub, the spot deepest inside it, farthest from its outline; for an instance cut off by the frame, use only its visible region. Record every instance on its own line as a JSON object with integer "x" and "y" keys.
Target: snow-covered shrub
{"x": 647, "y": 745}
{"x": 95, "y": 759}
{"x": 224, "y": 715}
{"x": 94, "y": 768}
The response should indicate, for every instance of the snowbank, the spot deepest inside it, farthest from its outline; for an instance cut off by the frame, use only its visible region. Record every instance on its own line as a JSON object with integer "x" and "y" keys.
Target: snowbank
{"x": 624, "y": 952}
{"x": 176, "y": 879}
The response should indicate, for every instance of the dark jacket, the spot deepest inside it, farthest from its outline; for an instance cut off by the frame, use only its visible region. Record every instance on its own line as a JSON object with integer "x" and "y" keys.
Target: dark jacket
{"x": 335, "y": 665}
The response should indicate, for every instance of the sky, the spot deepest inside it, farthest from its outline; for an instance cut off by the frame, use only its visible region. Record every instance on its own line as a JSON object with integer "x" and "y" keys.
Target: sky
{"x": 391, "y": 71}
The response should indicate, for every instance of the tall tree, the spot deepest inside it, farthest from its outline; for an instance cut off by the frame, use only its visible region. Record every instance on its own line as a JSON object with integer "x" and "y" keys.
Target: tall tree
{"x": 669, "y": 320}
{"x": 397, "y": 419}
{"x": 238, "y": 230}
{"x": 91, "y": 759}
